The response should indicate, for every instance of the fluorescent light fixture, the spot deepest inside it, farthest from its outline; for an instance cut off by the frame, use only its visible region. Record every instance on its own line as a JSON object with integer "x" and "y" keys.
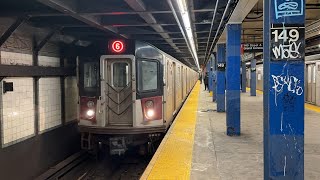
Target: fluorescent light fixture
{"x": 183, "y": 9}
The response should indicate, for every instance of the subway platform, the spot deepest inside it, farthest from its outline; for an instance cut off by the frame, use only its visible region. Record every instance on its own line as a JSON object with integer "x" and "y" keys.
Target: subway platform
{"x": 197, "y": 147}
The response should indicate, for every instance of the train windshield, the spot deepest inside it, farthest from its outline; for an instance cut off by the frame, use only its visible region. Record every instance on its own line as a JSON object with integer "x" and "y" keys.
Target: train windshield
{"x": 149, "y": 75}
{"x": 90, "y": 75}
{"x": 120, "y": 74}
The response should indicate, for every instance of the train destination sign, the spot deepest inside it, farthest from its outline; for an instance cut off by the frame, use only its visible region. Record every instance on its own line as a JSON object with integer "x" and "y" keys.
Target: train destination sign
{"x": 287, "y": 42}
{"x": 252, "y": 47}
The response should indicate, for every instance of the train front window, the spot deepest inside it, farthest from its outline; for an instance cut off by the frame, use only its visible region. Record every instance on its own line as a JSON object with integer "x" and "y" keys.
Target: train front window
{"x": 120, "y": 74}
{"x": 90, "y": 75}
{"x": 149, "y": 75}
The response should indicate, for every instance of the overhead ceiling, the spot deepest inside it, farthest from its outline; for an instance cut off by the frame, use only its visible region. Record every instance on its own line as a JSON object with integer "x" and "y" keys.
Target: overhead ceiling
{"x": 146, "y": 20}
{"x": 153, "y": 21}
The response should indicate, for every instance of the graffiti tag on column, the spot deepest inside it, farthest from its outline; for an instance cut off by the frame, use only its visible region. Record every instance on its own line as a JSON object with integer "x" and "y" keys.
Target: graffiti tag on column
{"x": 287, "y": 42}
{"x": 291, "y": 83}
{"x": 287, "y": 8}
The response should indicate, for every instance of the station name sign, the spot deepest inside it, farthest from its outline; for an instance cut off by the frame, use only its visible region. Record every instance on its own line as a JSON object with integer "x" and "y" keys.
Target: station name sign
{"x": 287, "y": 42}
{"x": 252, "y": 47}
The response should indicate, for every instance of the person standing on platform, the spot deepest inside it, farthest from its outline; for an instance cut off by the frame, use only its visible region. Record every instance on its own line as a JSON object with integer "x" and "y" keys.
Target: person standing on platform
{"x": 206, "y": 81}
{"x": 200, "y": 78}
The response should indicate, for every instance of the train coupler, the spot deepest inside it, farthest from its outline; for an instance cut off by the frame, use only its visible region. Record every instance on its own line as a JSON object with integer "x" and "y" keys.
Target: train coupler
{"x": 117, "y": 145}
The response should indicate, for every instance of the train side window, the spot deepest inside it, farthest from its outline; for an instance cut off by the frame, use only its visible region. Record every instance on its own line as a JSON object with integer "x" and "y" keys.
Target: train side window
{"x": 149, "y": 75}
{"x": 120, "y": 74}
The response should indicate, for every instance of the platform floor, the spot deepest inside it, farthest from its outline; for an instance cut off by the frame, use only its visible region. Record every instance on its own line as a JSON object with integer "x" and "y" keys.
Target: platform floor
{"x": 218, "y": 156}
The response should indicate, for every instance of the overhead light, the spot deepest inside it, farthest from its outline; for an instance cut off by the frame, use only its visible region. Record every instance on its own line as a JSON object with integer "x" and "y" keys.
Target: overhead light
{"x": 82, "y": 43}
{"x": 183, "y": 9}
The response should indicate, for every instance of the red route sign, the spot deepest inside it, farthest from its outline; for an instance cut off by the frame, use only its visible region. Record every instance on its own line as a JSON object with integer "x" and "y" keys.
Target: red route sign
{"x": 117, "y": 46}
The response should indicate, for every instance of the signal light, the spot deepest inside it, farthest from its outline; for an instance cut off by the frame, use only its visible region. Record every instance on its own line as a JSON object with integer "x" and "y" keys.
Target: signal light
{"x": 117, "y": 46}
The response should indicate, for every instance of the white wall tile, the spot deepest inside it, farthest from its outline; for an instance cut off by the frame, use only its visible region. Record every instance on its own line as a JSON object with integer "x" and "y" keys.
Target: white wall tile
{"x": 17, "y": 111}
{"x": 49, "y": 103}
{"x": 49, "y": 61}
{"x": 12, "y": 58}
{"x": 71, "y": 98}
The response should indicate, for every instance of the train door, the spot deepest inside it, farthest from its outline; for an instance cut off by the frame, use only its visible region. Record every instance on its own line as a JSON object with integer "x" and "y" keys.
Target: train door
{"x": 118, "y": 91}
{"x": 186, "y": 80}
{"x": 169, "y": 89}
{"x": 178, "y": 87}
{"x": 182, "y": 84}
{"x": 174, "y": 84}
{"x": 311, "y": 83}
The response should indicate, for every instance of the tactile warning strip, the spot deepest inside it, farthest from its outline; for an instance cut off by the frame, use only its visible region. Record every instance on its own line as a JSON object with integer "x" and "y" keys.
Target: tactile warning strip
{"x": 174, "y": 156}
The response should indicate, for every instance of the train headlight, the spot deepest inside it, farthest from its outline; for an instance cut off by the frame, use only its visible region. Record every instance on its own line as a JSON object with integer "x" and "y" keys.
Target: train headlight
{"x": 150, "y": 113}
{"x": 90, "y": 113}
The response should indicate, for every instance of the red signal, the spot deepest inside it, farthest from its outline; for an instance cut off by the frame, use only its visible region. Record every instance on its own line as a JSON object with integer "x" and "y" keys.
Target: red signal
{"x": 117, "y": 46}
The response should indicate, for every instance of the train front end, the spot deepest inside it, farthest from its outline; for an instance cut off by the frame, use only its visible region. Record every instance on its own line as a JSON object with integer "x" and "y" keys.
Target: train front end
{"x": 121, "y": 99}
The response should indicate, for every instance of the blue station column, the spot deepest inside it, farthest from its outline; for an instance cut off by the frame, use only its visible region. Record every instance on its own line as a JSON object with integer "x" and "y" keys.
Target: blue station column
{"x": 221, "y": 79}
{"x": 208, "y": 69}
{"x": 244, "y": 77}
{"x": 210, "y": 79}
{"x": 283, "y": 54}
{"x": 253, "y": 79}
{"x": 233, "y": 79}
{"x": 214, "y": 77}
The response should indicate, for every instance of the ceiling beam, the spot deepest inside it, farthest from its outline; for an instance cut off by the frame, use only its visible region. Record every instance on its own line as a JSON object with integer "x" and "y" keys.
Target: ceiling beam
{"x": 138, "y": 5}
{"x": 69, "y": 7}
{"x": 193, "y": 19}
{"x": 4, "y": 37}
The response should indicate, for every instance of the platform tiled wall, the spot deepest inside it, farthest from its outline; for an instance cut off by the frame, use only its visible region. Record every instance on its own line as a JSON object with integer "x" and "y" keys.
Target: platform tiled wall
{"x": 71, "y": 98}
{"x": 17, "y": 107}
{"x": 12, "y": 58}
{"x": 49, "y": 61}
{"x": 17, "y": 111}
{"x": 49, "y": 103}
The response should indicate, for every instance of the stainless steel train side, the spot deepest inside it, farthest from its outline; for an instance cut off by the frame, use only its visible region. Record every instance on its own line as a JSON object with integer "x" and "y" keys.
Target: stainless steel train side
{"x": 312, "y": 79}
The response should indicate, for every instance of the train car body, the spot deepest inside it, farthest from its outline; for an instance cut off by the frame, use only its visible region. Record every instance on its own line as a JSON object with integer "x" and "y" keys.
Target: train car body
{"x": 130, "y": 95}
{"x": 312, "y": 79}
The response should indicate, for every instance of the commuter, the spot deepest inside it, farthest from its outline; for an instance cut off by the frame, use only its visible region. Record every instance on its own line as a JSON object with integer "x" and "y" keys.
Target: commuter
{"x": 206, "y": 81}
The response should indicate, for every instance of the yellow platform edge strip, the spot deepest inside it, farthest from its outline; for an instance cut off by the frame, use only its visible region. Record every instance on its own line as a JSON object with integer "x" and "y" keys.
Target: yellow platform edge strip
{"x": 173, "y": 158}
{"x": 306, "y": 105}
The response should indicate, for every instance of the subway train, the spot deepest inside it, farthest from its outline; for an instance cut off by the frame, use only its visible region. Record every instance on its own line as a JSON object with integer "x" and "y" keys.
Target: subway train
{"x": 312, "y": 78}
{"x": 130, "y": 96}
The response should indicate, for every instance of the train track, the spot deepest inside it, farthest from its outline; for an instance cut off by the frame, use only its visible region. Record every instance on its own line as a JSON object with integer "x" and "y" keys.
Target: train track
{"x": 84, "y": 166}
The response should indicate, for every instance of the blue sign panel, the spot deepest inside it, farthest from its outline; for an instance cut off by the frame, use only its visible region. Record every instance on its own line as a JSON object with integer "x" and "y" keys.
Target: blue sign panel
{"x": 284, "y": 89}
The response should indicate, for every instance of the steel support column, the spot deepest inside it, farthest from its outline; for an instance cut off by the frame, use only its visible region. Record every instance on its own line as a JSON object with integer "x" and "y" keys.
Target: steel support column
{"x": 207, "y": 73}
{"x": 283, "y": 54}
{"x": 210, "y": 85}
{"x": 243, "y": 77}
{"x": 253, "y": 79}
{"x": 221, "y": 79}
{"x": 35, "y": 59}
{"x": 214, "y": 80}
{"x": 63, "y": 93}
{"x": 233, "y": 79}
